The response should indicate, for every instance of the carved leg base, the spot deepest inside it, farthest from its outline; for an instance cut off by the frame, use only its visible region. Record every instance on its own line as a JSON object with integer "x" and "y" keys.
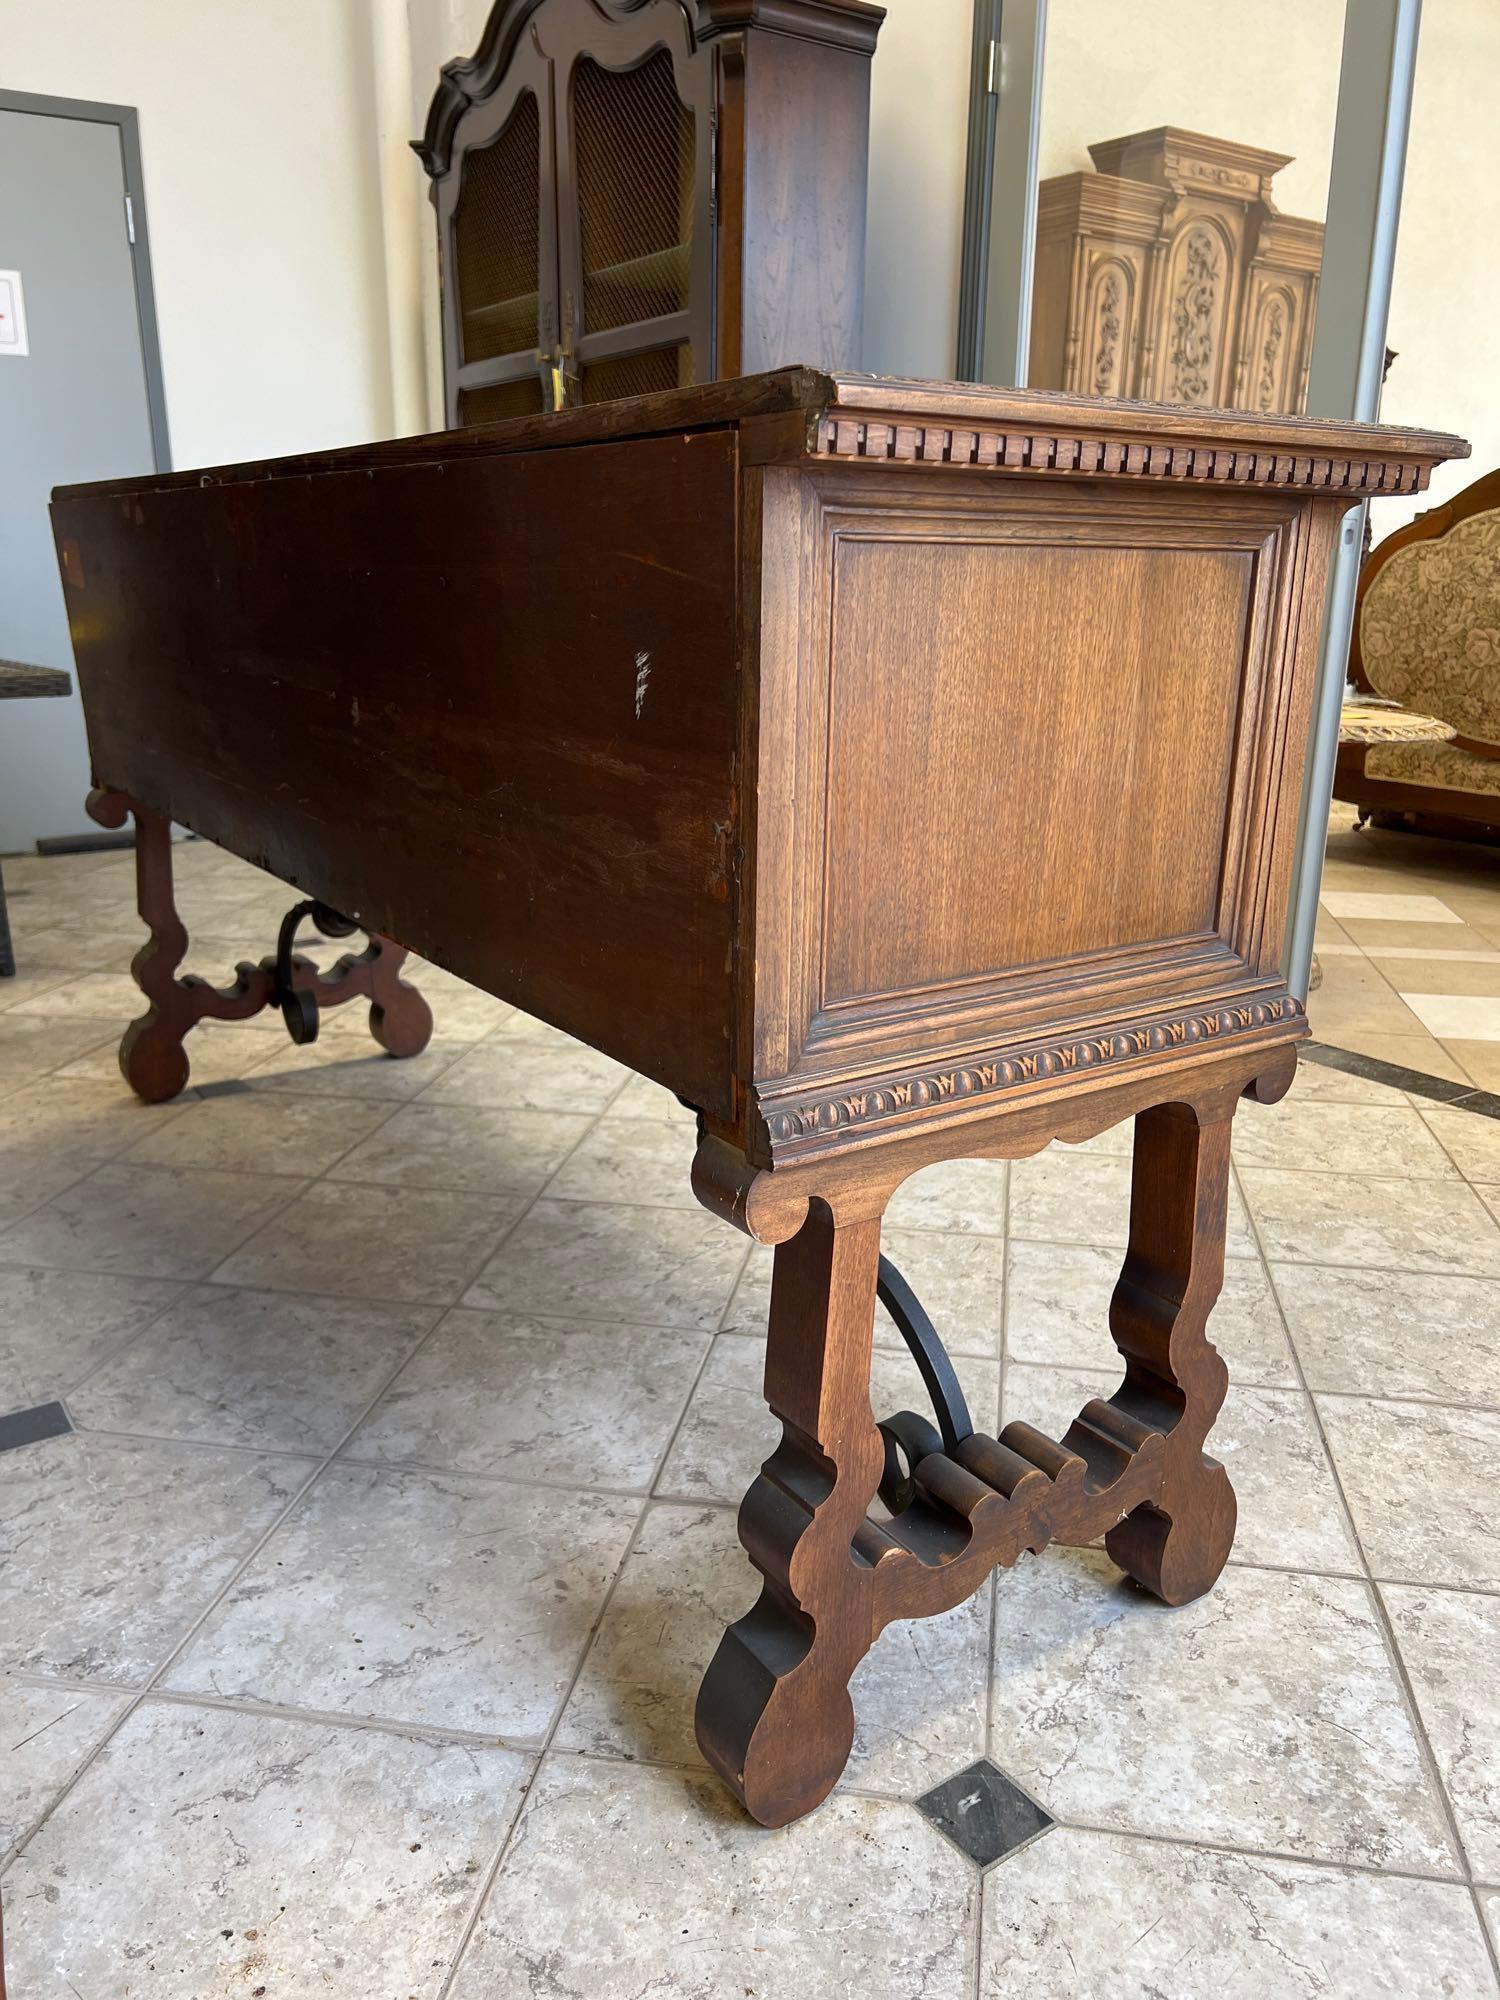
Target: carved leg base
{"x": 153, "y": 1057}
{"x": 774, "y": 1713}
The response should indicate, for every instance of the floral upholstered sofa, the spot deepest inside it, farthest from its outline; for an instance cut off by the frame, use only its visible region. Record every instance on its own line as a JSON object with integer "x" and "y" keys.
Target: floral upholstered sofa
{"x": 1420, "y": 735}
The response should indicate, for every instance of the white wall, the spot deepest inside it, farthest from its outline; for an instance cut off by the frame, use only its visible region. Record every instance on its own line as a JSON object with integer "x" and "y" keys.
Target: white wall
{"x": 257, "y": 139}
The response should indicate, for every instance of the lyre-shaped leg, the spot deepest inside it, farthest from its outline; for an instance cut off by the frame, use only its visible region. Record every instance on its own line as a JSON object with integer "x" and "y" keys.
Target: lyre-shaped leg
{"x": 1174, "y": 1377}
{"x": 774, "y": 1714}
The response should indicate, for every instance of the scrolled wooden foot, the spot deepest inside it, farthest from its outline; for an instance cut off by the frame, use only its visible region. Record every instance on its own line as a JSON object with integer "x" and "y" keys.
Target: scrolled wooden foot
{"x": 153, "y": 1056}
{"x": 1175, "y": 1381}
{"x": 774, "y": 1714}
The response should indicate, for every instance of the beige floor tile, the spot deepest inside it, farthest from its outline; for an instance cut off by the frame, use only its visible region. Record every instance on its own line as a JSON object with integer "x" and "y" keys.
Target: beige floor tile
{"x": 148, "y": 1222}
{"x": 1290, "y": 1516}
{"x": 1347, "y": 1219}
{"x": 641, "y": 1160}
{"x": 480, "y": 1150}
{"x": 650, "y": 1266}
{"x": 1099, "y": 1916}
{"x": 1369, "y": 906}
{"x": 1209, "y": 1722}
{"x": 953, "y": 1195}
{"x": 1469, "y": 1138}
{"x": 641, "y": 1098}
{"x": 57, "y": 1325}
{"x": 31, "y": 979}
{"x": 1058, "y": 1312}
{"x": 1420, "y": 1481}
{"x": 1318, "y": 1083}
{"x": 1480, "y": 1061}
{"x": 1416, "y": 937}
{"x": 919, "y": 1697}
{"x": 271, "y": 1370}
{"x": 1415, "y": 972}
{"x": 1390, "y": 1333}
{"x": 729, "y": 1431}
{"x": 514, "y": 1074}
{"x": 1450, "y": 1641}
{"x": 258, "y": 1131}
{"x": 111, "y": 997}
{"x": 414, "y": 1245}
{"x": 27, "y": 1183}
{"x": 31, "y": 1047}
{"x": 1065, "y": 1197}
{"x": 47, "y": 1733}
{"x": 350, "y": 1066}
{"x": 262, "y": 1856}
{"x": 864, "y": 1898}
{"x": 460, "y": 1012}
{"x": 1415, "y": 1051}
{"x": 125, "y": 1544}
{"x": 1354, "y": 999}
{"x": 417, "y": 1598}
{"x": 1389, "y": 1140}
{"x": 575, "y": 1403}
{"x": 960, "y": 1279}
{"x": 57, "y": 1118}
{"x": 1455, "y": 1017}
{"x": 217, "y": 1051}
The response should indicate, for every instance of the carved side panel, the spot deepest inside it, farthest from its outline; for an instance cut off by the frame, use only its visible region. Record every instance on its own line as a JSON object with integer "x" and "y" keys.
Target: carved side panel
{"x": 1195, "y": 314}
{"x": 1109, "y": 332}
{"x": 1271, "y": 350}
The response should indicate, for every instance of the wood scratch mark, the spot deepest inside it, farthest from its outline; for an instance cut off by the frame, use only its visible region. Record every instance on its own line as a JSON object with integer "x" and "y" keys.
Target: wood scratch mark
{"x": 642, "y": 680}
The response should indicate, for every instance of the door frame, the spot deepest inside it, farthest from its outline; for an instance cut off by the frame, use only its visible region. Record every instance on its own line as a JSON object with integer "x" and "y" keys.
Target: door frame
{"x": 127, "y": 125}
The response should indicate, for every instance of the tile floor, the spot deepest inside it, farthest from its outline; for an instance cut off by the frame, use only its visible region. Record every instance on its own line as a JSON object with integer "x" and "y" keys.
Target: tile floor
{"x": 1409, "y": 943}
{"x": 349, "y": 1638}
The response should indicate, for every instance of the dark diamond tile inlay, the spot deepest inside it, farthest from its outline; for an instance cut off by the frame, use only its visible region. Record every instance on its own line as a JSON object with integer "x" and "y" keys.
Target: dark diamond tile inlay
{"x": 984, "y": 1814}
{"x": 46, "y": 1420}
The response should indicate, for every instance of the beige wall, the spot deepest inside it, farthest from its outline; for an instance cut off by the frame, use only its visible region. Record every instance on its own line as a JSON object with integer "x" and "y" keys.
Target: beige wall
{"x": 257, "y": 142}
{"x": 1445, "y": 302}
{"x": 259, "y": 134}
{"x": 919, "y": 137}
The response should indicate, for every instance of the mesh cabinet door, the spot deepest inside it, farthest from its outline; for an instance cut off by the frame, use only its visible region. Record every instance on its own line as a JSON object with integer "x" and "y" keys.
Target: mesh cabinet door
{"x": 497, "y": 227}
{"x": 635, "y": 152}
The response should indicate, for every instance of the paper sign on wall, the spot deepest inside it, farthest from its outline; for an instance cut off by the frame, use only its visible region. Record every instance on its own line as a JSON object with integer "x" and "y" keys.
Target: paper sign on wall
{"x": 12, "y": 314}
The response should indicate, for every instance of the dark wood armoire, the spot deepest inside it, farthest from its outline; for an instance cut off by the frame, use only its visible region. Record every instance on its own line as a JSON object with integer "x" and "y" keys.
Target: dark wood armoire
{"x": 635, "y": 195}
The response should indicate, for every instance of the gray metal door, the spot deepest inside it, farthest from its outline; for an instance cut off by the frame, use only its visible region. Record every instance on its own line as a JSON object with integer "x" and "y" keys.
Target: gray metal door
{"x": 76, "y": 406}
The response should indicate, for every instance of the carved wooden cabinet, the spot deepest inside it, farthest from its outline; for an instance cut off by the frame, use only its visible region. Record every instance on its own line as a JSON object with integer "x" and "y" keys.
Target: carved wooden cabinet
{"x": 1170, "y": 275}
{"x": 790, "y": 791}
{"x": 637, "y": 195}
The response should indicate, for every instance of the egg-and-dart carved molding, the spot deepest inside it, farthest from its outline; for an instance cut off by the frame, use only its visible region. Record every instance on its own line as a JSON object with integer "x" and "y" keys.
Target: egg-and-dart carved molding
{"x": 865, "y": 1105}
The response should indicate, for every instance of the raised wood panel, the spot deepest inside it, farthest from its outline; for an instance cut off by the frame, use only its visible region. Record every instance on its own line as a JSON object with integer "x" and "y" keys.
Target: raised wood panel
{"x": 487, "y": 707}
{"x": 972, "y": 827}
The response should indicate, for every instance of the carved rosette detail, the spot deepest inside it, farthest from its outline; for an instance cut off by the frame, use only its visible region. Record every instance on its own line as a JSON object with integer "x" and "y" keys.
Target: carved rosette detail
{"x": 872, "y": 1104}
{"x": 1194, "y": 319}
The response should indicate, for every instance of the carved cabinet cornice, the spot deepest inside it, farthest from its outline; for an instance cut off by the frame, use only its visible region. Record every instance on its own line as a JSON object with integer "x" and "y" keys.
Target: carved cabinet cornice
{"x": 638, "y": 195}
{"x": 1169, "y": 274}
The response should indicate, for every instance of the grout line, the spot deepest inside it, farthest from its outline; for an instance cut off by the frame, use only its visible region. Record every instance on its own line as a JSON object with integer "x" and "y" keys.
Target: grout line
{"x": 1205, "y": 1846}
{"x": 154, "y": 1679}
{"x": 492, "y": 1875}
{"x": 1426, "y": 1755}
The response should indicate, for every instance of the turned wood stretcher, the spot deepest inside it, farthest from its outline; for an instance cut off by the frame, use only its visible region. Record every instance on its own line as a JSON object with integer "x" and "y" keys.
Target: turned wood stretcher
{"x": 895, "y": 771}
